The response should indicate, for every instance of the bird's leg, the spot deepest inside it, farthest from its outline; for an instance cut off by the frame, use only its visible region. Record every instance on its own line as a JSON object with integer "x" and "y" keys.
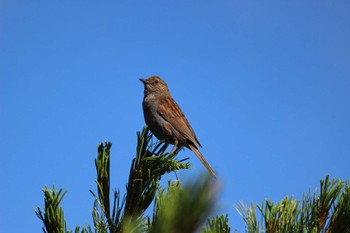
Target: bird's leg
{"x": 174, "y": 147}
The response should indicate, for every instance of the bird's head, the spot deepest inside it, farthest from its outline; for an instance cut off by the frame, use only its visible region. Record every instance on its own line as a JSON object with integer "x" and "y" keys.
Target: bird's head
{"x": 155, "y": 85}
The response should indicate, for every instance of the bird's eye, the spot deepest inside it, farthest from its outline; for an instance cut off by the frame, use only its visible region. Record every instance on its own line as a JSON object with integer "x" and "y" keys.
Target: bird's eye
{"x": 156, "y": 81}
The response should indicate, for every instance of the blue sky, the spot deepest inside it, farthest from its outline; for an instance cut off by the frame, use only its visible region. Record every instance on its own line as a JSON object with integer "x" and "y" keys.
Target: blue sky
{"x": 265, "y": 85}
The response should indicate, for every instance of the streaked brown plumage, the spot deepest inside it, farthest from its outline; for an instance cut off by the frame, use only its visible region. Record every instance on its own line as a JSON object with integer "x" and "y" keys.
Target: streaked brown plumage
{"x": 166, "y": 120}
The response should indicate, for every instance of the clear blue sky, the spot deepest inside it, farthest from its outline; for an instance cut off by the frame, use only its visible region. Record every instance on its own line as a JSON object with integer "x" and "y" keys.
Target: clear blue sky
{"x": 265, "y": 85}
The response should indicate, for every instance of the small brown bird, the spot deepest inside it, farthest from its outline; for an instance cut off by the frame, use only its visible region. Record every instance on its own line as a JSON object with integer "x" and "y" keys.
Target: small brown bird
{"x": 166, "y": 120}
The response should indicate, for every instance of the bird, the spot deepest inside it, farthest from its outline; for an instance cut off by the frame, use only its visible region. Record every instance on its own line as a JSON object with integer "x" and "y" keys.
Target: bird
{"x": 165, "y": 119}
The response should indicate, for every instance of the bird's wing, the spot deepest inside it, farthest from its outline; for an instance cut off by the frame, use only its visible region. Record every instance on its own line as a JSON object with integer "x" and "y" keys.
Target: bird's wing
{"x": 171, "y": 112}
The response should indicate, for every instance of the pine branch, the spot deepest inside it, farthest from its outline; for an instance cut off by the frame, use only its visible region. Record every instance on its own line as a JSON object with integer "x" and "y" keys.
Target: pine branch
{"x": 102, "y": 163}
{"x": 150, "y": 163}
{"x": 52, "y": 216}
{"x": 327, "y": 212}
{"x": 218, "y": 224}
{"x": 183, "y": 209}
{"x": 280, "y": 217}
{"x": 340, "y": 221}
{"x": 249, "y": 216}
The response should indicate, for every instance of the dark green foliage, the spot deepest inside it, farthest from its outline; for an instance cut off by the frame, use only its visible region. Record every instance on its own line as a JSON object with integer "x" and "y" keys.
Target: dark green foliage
{"x": 127, "y": 211}
{"x": 218, "y": 224}
{"x": 146, "y": 171}
{"x": 185, "y": 208}
{"x": 53, "y": 216}
{"x": 327, "y": 211}
{"x": 150, "y": 163}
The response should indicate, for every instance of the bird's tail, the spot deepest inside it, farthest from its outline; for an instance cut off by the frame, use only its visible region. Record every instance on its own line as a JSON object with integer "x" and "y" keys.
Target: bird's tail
{"x": 202, "y": 159}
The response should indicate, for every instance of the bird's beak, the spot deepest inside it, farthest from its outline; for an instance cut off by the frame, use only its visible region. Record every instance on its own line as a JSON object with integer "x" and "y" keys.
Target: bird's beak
{"x": 143, "y": 80}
